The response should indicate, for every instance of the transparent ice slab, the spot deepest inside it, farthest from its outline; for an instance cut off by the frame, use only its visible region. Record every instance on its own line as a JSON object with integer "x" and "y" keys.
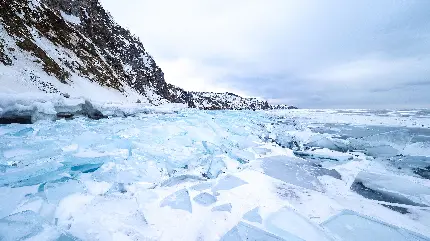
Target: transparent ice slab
{"x": 324, "y": 154}
{"x": 253, "y": 216}
{"x": 55, "y": 191}
{"x": 295, "y": 171}
{"x": 29, "y": 225}
{"x": 10, "y": 198}
{"x": 178, "y": 200}
{"x": 228, "y": 182}
{"x": 222, "y": 208}
{"x": 377, "y": 141}
{"x": 246, "y": 232}
{"x": 286, "y": 221}
{"x": 201, "y": 186}
{"x": 352, "y": 226}
{"x": 205, "y": 199}
{"x": 391, "y": 188}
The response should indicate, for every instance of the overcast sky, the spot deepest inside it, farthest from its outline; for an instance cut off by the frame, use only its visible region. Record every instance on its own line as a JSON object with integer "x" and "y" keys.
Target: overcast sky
{"x": 309, "y": 53}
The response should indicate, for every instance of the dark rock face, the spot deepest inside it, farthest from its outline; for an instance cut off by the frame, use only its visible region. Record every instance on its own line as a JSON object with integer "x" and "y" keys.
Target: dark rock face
{"x": 423, "y": 172}
{"x": 123, "y": 52}
{"x": 97, "y": 49}
{"x": 65, "y": 115}
{"x": 18, "y": 17}
{"x": 92, "y": 113}
{"x": 19, "y": 118}
{"x": 3, "y": 57}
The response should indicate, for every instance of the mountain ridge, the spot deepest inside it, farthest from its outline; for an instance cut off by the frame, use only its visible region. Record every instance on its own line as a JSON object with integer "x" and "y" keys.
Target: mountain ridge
{"x": 74, "y": 42}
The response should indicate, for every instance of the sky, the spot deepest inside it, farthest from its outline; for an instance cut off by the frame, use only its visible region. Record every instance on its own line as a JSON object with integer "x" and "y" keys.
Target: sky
{"x": 307, "y": 53}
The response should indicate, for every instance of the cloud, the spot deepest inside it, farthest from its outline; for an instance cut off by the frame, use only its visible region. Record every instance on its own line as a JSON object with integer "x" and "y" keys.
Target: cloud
{"x": 309, "y": 53}
{"x": 375, "y": 70}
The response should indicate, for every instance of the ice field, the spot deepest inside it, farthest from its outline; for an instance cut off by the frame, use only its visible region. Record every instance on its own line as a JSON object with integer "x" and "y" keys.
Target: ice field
{"x": 218, "y": 175}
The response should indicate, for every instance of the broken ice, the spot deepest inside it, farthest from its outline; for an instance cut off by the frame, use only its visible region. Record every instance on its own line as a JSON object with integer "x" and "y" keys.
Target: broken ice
{"x": 29, "y": 225}
{"x": 349, "y": 225}
{"x": 178, "y": 200}
{"x": 253, "y": 216}
{"x": 227, "y": 183}
{"x": 297, "y": 172}
{"x": 222, "y": 208}
{"x": 246, "y": 232}
{"x": 162, "y": 175}
{"x": 205, "y": 199}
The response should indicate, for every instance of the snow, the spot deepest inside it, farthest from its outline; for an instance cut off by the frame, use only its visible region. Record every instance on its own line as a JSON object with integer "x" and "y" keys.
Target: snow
{"x": 70, "y": 18}
{"x": 204, "y": 99}
{"x": 42, "y": 106}
{"x": 25, "y": 79}
{"x": 145, "y": 58}
{"x": 34, "y": 4}
{"x": 128, "y": 68}
{"x": 183, "y": 174}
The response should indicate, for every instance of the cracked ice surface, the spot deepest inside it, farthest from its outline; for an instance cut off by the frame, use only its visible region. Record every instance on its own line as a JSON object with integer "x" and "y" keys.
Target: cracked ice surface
{"x": 218, "y": 175}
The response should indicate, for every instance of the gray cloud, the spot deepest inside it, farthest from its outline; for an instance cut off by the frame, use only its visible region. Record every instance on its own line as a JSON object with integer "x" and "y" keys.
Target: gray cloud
{"x": 310, "y": 53}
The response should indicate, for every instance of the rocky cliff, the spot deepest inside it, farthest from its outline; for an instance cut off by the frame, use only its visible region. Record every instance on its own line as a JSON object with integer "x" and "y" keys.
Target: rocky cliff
{"x": 57, "y": 46}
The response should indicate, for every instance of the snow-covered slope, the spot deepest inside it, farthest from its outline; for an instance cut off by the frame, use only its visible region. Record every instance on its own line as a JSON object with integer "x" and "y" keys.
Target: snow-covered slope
{"x": 74, "y": 48}
{"x": 50, "y": 50}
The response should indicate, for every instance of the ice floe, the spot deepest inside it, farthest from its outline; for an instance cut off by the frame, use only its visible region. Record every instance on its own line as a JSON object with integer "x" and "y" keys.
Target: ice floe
{"x": 183, "y": 174}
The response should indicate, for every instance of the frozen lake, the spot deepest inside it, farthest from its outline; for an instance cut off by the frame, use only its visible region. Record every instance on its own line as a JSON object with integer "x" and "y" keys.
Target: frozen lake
{"x": 219, "y": 175}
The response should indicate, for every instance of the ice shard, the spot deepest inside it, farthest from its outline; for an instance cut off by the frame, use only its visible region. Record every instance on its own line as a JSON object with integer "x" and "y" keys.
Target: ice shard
{"x": 246, "y": 232}
{"x": 178, "y": 200}
{"x": 349, "y": 225}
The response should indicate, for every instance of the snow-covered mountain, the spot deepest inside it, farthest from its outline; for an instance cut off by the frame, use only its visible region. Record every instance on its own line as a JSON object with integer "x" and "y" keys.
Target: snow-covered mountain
{"x": 75, "y": 48}
{"x": 283, "y": 107}
{"x": 219, "y": 101}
